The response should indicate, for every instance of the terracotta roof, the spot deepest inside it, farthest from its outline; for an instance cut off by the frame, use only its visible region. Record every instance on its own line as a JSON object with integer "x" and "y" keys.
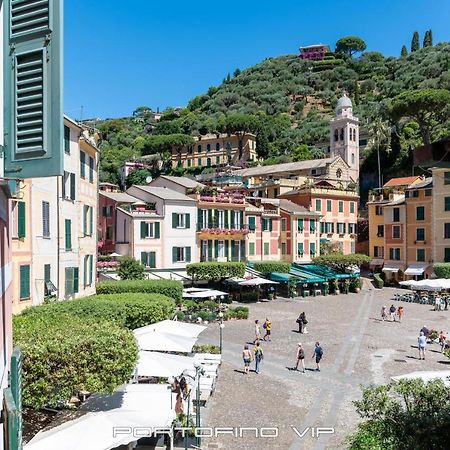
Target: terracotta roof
{"x": 402, "y": 181}
{"x": 422, "y": 184}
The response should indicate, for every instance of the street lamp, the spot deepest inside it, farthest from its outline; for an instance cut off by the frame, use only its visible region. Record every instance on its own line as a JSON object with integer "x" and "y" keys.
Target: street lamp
{"x": 221, "y": 327}
{"x": 198, "y": 372}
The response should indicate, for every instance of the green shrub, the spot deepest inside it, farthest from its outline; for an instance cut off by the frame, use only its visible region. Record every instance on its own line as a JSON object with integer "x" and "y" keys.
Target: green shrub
{"x": 433, "y": 334}
{"x": 65, "y": 355}
{"x": 272, "y": 266}
{"x": 206, "y": 348}
{"x": 240, "y": 312}
{"x": 340, "y": 262}
{"x": 248, "y": 297}
{"x": 126, "y": 310}
{"x": 170, "y": 288}
{"x": 442, "y": 270}
{"x": 377, "y": 281}
{"x": 214, "y": 271}
{"x": 355, "y": 283}
{"x": 180, "y": 315}
{"x": 130, "y": 269}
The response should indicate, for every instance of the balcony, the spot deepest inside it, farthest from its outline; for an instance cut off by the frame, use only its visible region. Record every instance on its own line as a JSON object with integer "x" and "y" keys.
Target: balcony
{"x": 218, "y": 231}
{"x": 223, "y": 199}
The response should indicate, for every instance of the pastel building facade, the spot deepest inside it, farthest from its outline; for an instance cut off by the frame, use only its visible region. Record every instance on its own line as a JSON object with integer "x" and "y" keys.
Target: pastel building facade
{"x": 315, "y": 52}
{"x": 441, "y": 214}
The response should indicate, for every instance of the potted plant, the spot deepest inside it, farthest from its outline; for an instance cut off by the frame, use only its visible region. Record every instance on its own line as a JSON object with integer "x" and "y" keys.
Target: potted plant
{"x": 346, "y": 285}
{"x": 336, "y": 286}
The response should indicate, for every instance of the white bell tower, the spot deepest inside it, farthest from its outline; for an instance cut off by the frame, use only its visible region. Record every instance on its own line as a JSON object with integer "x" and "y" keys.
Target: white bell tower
{"x": 344, "y": 138}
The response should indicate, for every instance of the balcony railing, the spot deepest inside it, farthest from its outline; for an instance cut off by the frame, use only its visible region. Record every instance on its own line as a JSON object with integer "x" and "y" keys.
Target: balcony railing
{"x": 222, "y": 230}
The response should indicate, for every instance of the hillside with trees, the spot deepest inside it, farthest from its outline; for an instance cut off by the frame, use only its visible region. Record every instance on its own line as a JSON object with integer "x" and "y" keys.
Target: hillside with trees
{"x": 402, "y": 102}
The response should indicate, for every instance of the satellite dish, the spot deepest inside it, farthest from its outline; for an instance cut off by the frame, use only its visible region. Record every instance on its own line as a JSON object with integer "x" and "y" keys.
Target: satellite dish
{"x": 254, "y": 194}
{"x": 148, "y": 179}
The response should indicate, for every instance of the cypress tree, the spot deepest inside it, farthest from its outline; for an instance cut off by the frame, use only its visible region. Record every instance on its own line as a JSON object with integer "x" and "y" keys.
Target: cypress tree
{"x": 415, "y": 44}
{"x": 430, "y": 37}
{"x": 427, "y": 39}
{"x": 404, "y": 52}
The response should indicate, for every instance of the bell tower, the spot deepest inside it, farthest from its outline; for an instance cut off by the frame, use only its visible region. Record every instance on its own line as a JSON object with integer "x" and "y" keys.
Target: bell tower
{"x": 344, "y": 138}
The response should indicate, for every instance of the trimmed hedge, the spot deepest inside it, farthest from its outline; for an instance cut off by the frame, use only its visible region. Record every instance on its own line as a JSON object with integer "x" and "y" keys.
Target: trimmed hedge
{"x": 339, "y": 262}
{"x": 214, "y": 271}
{"x": 377, "y": 281}
{"x": 206, "y": 348}
{"x": 240, "y": 312}
{"x": 442, "y": 270}
{"x": 65, "y": 355}
{"x": 170, "y": 288}
{"x": 127, "y": 310}
{"x": 272, "y": 266}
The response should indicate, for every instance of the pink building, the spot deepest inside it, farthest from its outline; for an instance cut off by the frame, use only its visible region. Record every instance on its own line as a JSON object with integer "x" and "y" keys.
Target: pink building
{"x": 314, "y": 52}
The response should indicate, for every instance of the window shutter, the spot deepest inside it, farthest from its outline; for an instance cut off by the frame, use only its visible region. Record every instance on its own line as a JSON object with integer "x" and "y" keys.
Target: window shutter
{"x": 199, "y": 219}
{"x": 45, "y": 219}
{"x": 157, "y": 230}
{"x": 91, "y": 169}
{"x": 85, "y": 270}
{"x": 270, "y": 224}
{"x": 174, "y": 254}
{"x": 82, "y": 164}
{"x": 312, "y": 248}
{"x": 252, "y": 223}
{"x": 24, "y": 282}
{"x": 216, "y": 249}
{"x": 75, "y": 280}
{"x": 33, "y": 88}
{"x": 143, "y": 229}
{"x": 68, "y": 234}
{"x": 188, "y": 221}
{"x": 21, "y": 224}
{"x": 263, "y": 224}
{"x": 188, "y": 254}
{"x": 226, "y": 214}
{"x": 47, "y": 273}
{"x": 233, "y": 225}
{"x": 153, "y": 260}
{"x": 144, "y": 257}
{"x": 210, "y": 218}
{"x": 216, "y": 217}
{"x": 210, "y": 250}
{"x": 91, "y": 269}
{"x": 227, "y": 245}
{"x": 174, "y": 220}
{"x": 242, "y": 250}
{"x": 85, "y": 219}
{"x": 72, "y": 186}
{"x": 69, "y": 281}
{"x": 241, "y": 216}
{"x": 300, "y": 248}
{"x": 300, "y": 225}
{"x": 91, "y": 221}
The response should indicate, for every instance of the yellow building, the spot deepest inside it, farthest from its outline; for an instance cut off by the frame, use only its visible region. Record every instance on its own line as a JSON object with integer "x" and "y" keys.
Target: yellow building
{"x": 441, "y": 214}
{"x": 213, "y": 150}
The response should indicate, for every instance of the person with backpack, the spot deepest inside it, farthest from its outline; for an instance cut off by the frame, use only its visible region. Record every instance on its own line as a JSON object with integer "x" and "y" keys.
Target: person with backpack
{"x": 259, "y": 356}
{"x": 392, "y": 311}
{"x": 300, "y": 357}
{"x": 318, "y": 353}
{"x": 267, "y": 325}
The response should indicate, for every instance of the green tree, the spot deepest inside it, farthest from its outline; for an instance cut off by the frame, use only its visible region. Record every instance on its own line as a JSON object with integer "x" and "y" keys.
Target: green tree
{"x": 340, "y": 262}
{"x": 237, "y": 72}
{"x": 301, "y": 153}
{"x": 379, "y": 140}
{"x": 350, "y": 45}
{"x": 407, "y": 415}
{"x": 428, "y": 39}
{"x": 415, "y": 44}
{"x": 428, "y": 107}
{"x": 404, "y": 52}
{"x": 130, "y": 269}
{"x": 137, "y": 177}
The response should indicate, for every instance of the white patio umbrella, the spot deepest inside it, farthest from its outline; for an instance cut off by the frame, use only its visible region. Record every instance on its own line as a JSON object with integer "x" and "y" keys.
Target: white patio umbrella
{"x": 410, "y": 283}
{"x": 173, "y": 327}
{"x": 433, "y": 285}
{"x": 203, "y": 293}
{"x": 154, "y": 364}
{"x": 114, "y": 254}
{"x": 426, "y": 376}
{"x": 164, "y": 342}
{"x": 256, "y": 282}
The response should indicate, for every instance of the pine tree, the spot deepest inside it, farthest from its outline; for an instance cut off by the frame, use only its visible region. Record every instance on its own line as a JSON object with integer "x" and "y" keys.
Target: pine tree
{"x": 404, "y": 52}
{"x": 415, "y": 44}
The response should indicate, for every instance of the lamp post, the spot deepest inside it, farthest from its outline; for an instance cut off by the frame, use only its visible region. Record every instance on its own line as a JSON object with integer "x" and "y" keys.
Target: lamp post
{"x": 198, "y": 372}
{"x": 221, "y": 327}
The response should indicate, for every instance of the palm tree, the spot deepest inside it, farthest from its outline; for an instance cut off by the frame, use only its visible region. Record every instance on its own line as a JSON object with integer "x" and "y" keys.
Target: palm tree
{"x": 379, "y": 139}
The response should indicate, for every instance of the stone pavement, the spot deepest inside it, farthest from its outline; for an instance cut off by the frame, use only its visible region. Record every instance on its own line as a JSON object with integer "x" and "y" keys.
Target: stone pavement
{"x": 359, "y": 349}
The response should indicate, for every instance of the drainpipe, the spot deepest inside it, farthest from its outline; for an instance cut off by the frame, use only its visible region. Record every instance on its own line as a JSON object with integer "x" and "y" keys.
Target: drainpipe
{"x": 58, "y": 233}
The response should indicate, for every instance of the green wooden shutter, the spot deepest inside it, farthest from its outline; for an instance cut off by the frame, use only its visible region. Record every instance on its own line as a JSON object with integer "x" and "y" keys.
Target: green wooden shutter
{"x": 85, "y": 219}
{"x": 300, "y": 226}
{"x": 82, "y": 164}
{"x": 227, "y": 245}
{"x": 153, "y": 260}
{"x": 69, "y": 281}
{"x": 174, "y": 254}
{"x": 85, "y": 270}
{"x": 144, "y": 258}
{"x": 252, "y": 223}
{"x": 75, "y": 279}
{"x": 68, "y": 234}
{"x": 300, "y": 248}
{"x": 157, "y": 230}
{"x": 174, "y": 220}
{"x": 210, "y": 218}
{"x": 263, "y": 224}
{"x": 233, "y": 225}
{"x": 242, "y": 249}
{"x": 241, "y": 221}
{"x": 24, "y": 282}
{"x": 270, "y": 224}
{"x": 21, "y": 224}
{"x": 312, "y": 248}
{"x": 45, "y": 219}
{"x": 188, "y": 221}
{"x": 210, "y": 249}
{"x": 91, "y": 221}
{"x": 216, "y": 218}
{"x": 312, "y": 225}
{"x": 251, "y": 248}
{"x": 227, "y": 220}
{"x": 33, "y": 100}
{"x": 188, "y": 254}
{"x": 47, "y": 273}
{"x": 14, "y": 424}
{"x": 199, "y": 219}
{"x": 91, "y": 269}
{"x": 72, "y": 186}
{"x": 91, "y": 169}
{"x": 143, "y": 229}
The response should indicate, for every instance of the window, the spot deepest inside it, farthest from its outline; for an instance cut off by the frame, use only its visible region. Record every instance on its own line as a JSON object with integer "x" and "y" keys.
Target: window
{"x": 396, "y": 215}
{"x": 107, "y": 211}
{"x": 181, "y": 254}
{"x": 446, "y": 177}
{"x": 237, "y": 219}
{"x": 396, "y": 232}
{"x": 221, "y": 249}
{"x": 420, "y": 234}
{"x": 447, "y": 204}
{"x": 341, "y": 206}
{"x": 312, "y": 225}
{"x": 109, "y": 233}
{"x": 428, "y": 192}
{"x": 336, "y": 135}
{"x": 181, "y": 220}
{"x": 208, "y": 162}
{"x": 318, "y": 205}
{"x": 217, "y": 147}
{"x": 220, "y": 218}
{"x": 48, "y": 286}
{"x": 199, "y": 161}
{"x": 88, "y": 218}
{"x": 251, "y": 248}
{"x": 447, "y": 254}
{"x": 266, "y": 248}
{"x": 283, "y": 248}
{"x": 148, "y": 259}
{"x": 82, "y": 164}
{"x": 46, "y": 219}
{"x": 189, "y": 162}
{"x": 88, "y": 263}
{"x": 66, "y": 139}
{"x": 420, "y": 254}
{"x": 208, "y": 147}
{"x": 68, "y": 186}
{"x": 72, "y": 281}
{"x": 199, "y": 148}
{"x": 150, "y": 230}
{"x": 328, "y": 205}
{"x": 252, "y": 223}
{"x": 352, "y": 228}
{"x": 68, "y": 234}
{"x": 378, "y": 210}
{"x": 341, "y": 228}
{"x": 415, "y": 194}
{"x": 91, "y": 169}
{"x": 300, "y": 249}
{"x": 446, "y": 230}
{"x": 352, "y": 207}
{"x": 420, "y": 213}
{"x": 217, "y": 160}
{"x": 24, "y": 273}
{"x": 329, "y": 227}
{"x": 380, "y": 231}
{"x": 21, "y": 223}
{"x": 378, "y": 252}
{"x": 312, "y": 248}
{"x": 266, "y": 224}
{"x": 341, "y": 134}
{"x": 283, "y": 224}
{"x": 300, "y": 225}
{"x": 394, "y": 254}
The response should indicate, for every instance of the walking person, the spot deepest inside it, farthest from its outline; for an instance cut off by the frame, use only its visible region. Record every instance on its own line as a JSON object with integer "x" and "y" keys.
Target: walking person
{"x": 300, "y": 357}
{"x": 400, "y": 312}
{"x": 437, "y": 303}
{"x": 259, "y": 356}
{"x": 425, "y": 331}
{"x": 257, "y": 332}
{"x": 300, "y": 323}
{"x": 392, "y": 311}
{"x": 267, "y": 325}
{"x": 442, "y": 341}
{"x": 422, "y": 342}
{"x": 383, "y": 313}
{"x": 318, "y": 353}
{"x": 247, "y": 357}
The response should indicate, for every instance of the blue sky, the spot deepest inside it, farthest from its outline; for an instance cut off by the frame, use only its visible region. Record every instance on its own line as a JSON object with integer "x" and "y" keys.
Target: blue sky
{"x": 120, "y": 55}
